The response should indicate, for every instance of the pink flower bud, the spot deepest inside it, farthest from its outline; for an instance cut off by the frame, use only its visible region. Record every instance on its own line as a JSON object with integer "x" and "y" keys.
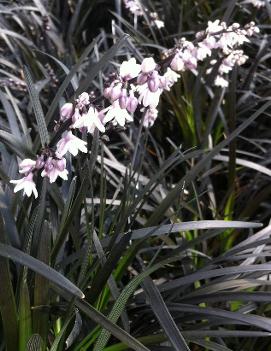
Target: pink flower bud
{"x": 123, "y": 99}
{"x": 142, "y": 78}
{"x": 107, "y": 92}
{"x": 132, "y": 104}
{"x": 66, "y": 111}
{"x": 116, "y": 92}
{"x": 39, "y": 162}
{"x": 154, "y": 82}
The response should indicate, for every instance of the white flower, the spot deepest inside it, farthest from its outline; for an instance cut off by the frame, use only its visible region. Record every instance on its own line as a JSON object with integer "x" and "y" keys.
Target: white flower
{"x": 215, "y": 27}
{"x": 129, "y": 69}
{"x": 221, "y": 82}
{"x": 117, "y": 114}
{"x": 83, "y": 100}
{"x": 169, "y": 78}
{"x": 54, "y": 168}
{"x": 148, "y": 65}
{"x": 147, "y": 97}
{"x": 70, "y": 143}
{"x": 26, "y": 184}
{"x": 159, "y": 24}
{"x": 90, "y": 120}
{"x": 27, "y": 165}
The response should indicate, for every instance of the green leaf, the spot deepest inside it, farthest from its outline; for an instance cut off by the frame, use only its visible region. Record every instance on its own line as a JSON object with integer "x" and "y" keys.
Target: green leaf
{"x": 8, "y": 308}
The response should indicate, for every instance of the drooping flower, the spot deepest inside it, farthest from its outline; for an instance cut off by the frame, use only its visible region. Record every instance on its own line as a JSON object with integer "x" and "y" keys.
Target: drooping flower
{"x": 90, "y": 120}
{"x": 117, "y": 114}
{"x": 54, "y": 168}
{"x": 169, "y": 79}
{"x": 150, "y": 116}
{"x": 148, "y": 97}
{"x": 26, "y": 184}
{"x": 27, "y": 165}
{"x": 70, "y": 143}
{"x": 221, "y": 82}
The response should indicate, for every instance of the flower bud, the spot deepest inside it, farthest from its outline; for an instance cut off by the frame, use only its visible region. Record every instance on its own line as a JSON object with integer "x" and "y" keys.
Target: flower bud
{"x": 116, "y": 92}
{"x": 123, "y": 99}
{"x": 107, "y": 92}
{"x": 132, "y": 104}
{"x": 66, "y": 111}
{"x": 142, "y": 78}
{"x": 153, "y": 84}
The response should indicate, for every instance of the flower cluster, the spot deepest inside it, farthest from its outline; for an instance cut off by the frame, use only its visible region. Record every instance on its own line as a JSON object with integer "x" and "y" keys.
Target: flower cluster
{"x": 135, "y": 87}
{"x": 217, "y": 40}
{"x": 135, "y": 8}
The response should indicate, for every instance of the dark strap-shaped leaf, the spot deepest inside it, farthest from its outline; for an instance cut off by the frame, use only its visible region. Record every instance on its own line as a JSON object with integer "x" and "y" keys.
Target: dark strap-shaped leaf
{"x": 34, "y": 97}
{"x": 41, "y": 268}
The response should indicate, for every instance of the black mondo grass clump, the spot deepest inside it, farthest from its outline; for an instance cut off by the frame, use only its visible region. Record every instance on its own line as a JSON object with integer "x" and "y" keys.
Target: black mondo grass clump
{"x": 135, "y": 176}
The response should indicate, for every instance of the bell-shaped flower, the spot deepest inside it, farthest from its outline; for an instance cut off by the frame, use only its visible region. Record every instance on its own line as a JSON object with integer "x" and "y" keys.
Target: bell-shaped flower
{"x": 70, "y": 143}
{"x": 54, "y": 168}
{"x": 221, "y": 82}
{"x": 90, "y": 120}
{"x": 117, "y": 115}
{"x": 150, "y": 116}
{"x": 148, "y": 97}
{"x": 27, "y": 165}
{"x": 26, "y": 184}
{"x": 129, "y": 69}
{"x": 169, "y": 79}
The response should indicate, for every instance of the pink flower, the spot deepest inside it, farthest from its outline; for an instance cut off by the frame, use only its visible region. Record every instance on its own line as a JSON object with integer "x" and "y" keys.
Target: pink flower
{"x": 70, "y": 143}
{"x": 26, "y": 184}
{"x": 27, "y": 165}
{"x": 54, "y": 168}
{"x": 150, "y": 117}
{"x": 177, "y": 64}
{"x": 147, "y": 97}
